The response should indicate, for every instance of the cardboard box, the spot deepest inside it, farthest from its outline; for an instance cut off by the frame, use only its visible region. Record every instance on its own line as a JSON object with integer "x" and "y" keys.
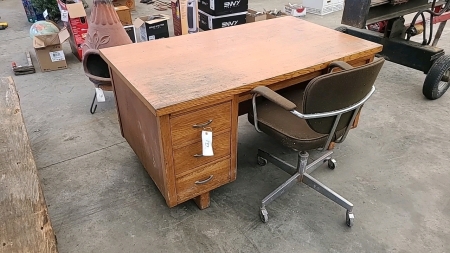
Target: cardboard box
{"x": 152, "y": 27}
{"x": 209, "y": 22}
{"x": 222, "y": 7}
{"x": 296, "y": 10}
{"x": 77, "y": 24}
{"x": 131, "y": 32}
{"x": 185, "y": 16}
{"x": 124, "y": 15}
{"x": 255, "y": 16}
{"x": 128, "y": 3}
{"x": 323, "y": 7}
{"x": 49, "y": 51}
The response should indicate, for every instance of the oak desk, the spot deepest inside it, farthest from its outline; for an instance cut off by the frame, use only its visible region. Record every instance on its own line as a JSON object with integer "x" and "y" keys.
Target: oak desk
{"x": 167, "y": 89}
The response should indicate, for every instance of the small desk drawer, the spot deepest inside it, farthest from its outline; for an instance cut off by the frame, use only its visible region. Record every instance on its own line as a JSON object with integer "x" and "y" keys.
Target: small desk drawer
{"x": 203, "y": 180}
{"x": 189, "y": 126}
{"x": 185, "y": 158}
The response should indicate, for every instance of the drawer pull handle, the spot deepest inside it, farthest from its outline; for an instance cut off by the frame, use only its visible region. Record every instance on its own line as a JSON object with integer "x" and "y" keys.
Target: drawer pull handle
{"x": 203, "y": 124}
{"x": 204, "y": 181}
{"x": 198, "y": 155}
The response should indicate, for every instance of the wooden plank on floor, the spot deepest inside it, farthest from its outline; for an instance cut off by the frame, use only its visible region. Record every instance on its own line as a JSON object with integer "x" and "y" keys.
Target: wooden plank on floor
{"x": 24, "y": 222}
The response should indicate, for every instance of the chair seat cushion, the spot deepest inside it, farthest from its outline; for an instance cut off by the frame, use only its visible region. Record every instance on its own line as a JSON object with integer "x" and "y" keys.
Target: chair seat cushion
{"x": 291, "y": 130}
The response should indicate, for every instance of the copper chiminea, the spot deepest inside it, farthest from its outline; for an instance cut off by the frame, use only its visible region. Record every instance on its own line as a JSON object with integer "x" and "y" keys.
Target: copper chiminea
{"x": 105, "y": 30}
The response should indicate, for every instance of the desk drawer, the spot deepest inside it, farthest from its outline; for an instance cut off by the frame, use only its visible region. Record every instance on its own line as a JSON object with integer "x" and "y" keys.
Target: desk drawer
{"x": 203, "y": 180}
{"x": 188, "y": 127}
{"x": 185, "y": 159}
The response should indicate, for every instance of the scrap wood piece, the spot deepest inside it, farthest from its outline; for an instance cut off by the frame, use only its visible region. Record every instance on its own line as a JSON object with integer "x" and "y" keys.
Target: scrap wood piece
{"x": 24, "y": 222}
{"x": 162, "y": 2}
{"x": 156, "y": 16}
{"x": 161, "y": 5}
{"x": 28, "y": 68}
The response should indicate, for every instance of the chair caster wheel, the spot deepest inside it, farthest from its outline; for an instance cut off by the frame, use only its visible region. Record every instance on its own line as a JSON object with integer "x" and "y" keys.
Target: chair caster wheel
{"x": 261, "y": 161}
{"x": 332, "y": 163}
{"x": 349, "y": 218}
{"x": 263, "y": 215}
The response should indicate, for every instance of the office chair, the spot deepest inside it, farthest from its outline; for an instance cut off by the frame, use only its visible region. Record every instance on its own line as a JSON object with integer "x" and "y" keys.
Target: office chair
{"x": 313, "y": 118}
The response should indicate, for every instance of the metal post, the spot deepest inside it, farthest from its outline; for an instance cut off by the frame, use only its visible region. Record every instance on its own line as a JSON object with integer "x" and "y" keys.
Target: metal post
{"x": 302, "y": 162}
{"x": 439, "y": 33}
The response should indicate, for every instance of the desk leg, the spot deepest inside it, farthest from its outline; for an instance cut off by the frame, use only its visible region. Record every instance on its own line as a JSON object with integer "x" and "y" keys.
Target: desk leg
{"x": 202, "y": 201}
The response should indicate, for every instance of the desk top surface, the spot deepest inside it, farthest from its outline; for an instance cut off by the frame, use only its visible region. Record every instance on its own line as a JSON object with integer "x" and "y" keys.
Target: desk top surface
{"x": 233, "y": 60}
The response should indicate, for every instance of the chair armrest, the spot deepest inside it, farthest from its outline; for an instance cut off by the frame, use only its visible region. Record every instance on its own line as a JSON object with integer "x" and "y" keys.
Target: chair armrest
{"x": 339, "y": 64}
{"x": 274, "y": 97}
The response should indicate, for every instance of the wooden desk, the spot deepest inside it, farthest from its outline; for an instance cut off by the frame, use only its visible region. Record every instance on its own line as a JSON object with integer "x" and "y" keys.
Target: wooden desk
{"x": 163, "y": 88}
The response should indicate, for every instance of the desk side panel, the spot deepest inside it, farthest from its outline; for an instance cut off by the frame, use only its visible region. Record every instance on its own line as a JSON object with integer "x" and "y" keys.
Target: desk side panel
{"x": 140, "y": 127}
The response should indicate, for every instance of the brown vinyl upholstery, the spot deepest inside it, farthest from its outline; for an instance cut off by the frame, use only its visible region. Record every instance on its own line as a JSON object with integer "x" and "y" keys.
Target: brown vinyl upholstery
{"x": 328, "y": 92}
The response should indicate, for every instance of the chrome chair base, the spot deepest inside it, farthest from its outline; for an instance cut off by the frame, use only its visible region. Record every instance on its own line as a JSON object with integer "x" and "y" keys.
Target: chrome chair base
{"x": 301, "y": 173}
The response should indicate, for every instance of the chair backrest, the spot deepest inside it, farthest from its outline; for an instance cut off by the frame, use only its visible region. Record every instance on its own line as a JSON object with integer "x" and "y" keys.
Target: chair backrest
{"x": 338, "y": 90}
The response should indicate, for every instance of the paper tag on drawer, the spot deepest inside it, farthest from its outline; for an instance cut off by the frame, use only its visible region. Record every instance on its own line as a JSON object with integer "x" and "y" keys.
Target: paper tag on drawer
{"x": 207, "y": 143}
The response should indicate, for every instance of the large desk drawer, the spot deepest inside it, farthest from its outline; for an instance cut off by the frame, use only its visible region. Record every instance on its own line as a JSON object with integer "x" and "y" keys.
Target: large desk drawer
{"x": 187, "y": 157}
{"x": 188, "y": 127}
{"x": 203, "y": 180}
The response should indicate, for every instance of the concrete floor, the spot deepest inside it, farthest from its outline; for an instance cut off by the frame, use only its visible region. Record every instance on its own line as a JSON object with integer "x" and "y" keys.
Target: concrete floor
{"x": 393, "y": 167}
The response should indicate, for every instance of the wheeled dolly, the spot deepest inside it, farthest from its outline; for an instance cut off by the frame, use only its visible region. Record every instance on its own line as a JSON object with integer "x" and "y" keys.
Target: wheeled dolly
{"x": 383, "y": 22}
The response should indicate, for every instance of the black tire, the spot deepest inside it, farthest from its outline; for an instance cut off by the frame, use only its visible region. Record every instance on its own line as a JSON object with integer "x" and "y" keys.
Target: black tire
{"x": 342, "y": 29}
{"x": 437, "y": 80}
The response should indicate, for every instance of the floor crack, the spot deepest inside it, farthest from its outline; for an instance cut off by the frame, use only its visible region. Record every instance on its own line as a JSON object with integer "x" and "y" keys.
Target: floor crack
{"x": 88, "y": 153}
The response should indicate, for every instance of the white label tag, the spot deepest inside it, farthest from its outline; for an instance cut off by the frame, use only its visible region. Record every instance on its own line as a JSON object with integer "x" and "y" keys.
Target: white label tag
{"x": 210, "y": 24}
{"x": 100, "y": 95}
{"x": 64, "y": 16}
{"x": 57, "y": 56}
{"x": 207, "y": 143}
{"x": 45, "y": 14}
{"x": 211, "y": 5}
{"x": 151, "y": 37}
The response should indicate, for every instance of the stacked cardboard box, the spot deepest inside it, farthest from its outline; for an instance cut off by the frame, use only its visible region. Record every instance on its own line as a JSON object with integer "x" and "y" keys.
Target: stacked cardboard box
{"x": 49, "y": 51}
{"x": 216, "y": 14}
{"x": 124, "y": 14}
{"x": 152, "y": 27}
{"x": 74, "y": 17}
{"x": 128, "y": 3}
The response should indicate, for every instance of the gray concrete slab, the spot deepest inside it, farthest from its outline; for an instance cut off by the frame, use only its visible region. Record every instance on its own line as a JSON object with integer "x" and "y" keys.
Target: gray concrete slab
{"x": 393, "y": 167}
